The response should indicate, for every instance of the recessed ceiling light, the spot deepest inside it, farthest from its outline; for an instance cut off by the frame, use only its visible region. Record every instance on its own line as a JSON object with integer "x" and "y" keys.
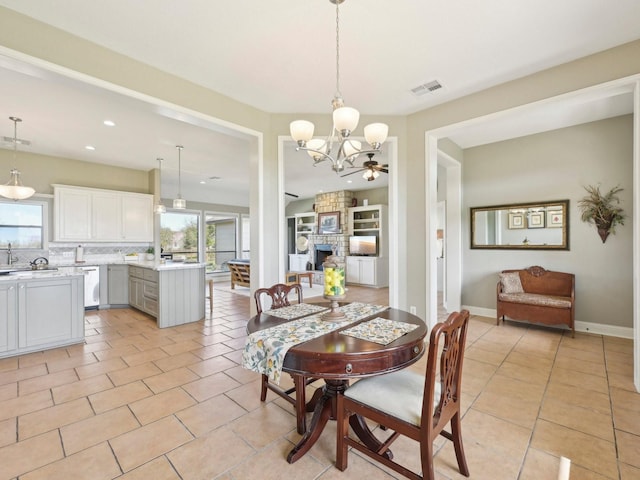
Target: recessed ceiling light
{"x": 90, "y": 147}
{"x": 202, "y": 182}
{"x": 349, "y": 181}
{"x": 109, "y": 123}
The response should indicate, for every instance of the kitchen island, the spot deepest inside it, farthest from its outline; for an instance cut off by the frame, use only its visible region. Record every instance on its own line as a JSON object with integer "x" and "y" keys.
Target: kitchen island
{"x": 40, "y": 310}
{"x": 173, "y": 292}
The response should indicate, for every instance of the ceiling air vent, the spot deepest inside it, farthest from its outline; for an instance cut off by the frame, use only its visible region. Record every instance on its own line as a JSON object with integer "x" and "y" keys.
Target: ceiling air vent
{"x": 428, "y": 87}
{"x": 9, "y": 141}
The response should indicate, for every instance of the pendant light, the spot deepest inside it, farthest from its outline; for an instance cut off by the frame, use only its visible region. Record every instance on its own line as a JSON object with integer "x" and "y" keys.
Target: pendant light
{"x": 179, "y": 203}
{"x": 14, "y": 189}
{"x": 159, "y": 207}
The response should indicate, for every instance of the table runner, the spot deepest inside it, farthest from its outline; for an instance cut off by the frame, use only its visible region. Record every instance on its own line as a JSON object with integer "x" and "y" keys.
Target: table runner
{"x": 264, "y": 351}
{"x": 298, "y": 310}
{"x": 380, "y": 330}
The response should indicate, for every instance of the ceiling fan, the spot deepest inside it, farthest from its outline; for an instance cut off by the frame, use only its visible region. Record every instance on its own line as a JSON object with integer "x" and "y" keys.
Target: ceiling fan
{"x": 371, "y": 169}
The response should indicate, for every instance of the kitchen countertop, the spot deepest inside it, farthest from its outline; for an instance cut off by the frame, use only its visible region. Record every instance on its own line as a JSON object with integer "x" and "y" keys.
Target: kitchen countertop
{"x": 22, "y": 272}
{"x": 151, "y": 264}
{"x": 20, "y": 275}
{"x": 158, "y": 265}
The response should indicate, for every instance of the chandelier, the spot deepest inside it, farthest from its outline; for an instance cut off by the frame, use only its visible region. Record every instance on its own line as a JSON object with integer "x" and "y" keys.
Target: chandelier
{"x": 179, "y": 203}
{"x": 14, "y": 189}
{"x": 338, "y": 147}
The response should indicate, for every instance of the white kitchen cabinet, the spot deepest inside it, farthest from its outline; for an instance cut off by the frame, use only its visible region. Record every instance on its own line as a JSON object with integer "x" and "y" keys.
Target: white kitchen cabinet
{"x": 105, "y": 215}
{"x": 95, "y": 215}
{"x": 72, "y": 214}
{"x": 298, "y": 262}
{"x": 137, "y": 217}
{"x": 37, "y": 314}
{"x": 370, "y": 271}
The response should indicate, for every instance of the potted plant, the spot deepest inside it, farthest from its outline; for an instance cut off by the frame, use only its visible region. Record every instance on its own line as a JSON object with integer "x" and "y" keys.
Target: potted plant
{"x": 150, "y": 253}
{"x": 602, "y": 210}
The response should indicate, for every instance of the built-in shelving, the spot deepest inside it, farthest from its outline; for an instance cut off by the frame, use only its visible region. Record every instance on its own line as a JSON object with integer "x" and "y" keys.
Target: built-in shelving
{"x": 369, "y": 220}
{"x": 305, "y": 226}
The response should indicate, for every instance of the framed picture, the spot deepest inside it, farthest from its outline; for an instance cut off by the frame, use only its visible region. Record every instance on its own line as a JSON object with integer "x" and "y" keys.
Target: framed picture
{"x": 329, "y": 222}
{"x": 536, "y": 220}
{"x": 555, "y": 219}
{"x": 516, "y": 220}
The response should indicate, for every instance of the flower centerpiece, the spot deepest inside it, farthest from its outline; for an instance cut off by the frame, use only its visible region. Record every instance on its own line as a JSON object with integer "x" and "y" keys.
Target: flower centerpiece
{"x": 334, "y": 289}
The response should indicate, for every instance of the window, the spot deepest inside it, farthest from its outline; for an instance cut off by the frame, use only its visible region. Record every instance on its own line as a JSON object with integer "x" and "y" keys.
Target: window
{"x": 179, "y": 235}
{"x": 23, "y": 225}
{"x": 221, "y": 240}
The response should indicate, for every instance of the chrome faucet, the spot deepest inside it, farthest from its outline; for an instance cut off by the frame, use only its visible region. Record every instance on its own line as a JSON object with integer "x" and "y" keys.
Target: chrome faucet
{"x": 9, "y": 255}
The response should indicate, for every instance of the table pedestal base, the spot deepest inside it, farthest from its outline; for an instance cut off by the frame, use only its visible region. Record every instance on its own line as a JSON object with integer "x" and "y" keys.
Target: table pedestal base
{"x": 324, "y": 410}
{"x": 325, "y": 402}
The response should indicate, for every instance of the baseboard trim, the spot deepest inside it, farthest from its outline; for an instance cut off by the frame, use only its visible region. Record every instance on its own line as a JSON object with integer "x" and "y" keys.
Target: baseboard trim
{"x": 586, "y": 327}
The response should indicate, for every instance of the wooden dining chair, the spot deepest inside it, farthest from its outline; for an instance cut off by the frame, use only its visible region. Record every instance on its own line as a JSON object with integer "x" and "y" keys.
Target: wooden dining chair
{"x": 408, "y": 403}
{"x": 279, "y": 296}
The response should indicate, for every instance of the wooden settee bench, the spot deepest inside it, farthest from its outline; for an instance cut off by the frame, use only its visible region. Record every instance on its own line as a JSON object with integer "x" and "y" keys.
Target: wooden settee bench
{"x": 537, "y": 295}
{"x": 240, "y": 272}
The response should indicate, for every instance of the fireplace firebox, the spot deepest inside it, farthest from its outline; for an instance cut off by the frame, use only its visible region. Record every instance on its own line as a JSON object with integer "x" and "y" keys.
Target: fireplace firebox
{"x": 321, "y": 251}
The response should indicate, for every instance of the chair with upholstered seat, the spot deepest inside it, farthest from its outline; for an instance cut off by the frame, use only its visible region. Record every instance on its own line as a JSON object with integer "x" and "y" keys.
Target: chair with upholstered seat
{"x": 279, "y": 296}
{"x": 410, "y": 404}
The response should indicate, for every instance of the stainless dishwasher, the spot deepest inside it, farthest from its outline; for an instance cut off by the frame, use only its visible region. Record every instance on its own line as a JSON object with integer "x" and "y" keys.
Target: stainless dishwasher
{"x": 91, "y": 286}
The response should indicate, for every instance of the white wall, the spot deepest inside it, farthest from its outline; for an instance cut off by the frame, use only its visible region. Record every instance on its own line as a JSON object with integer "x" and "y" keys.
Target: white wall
{"x": 555, "y": 166}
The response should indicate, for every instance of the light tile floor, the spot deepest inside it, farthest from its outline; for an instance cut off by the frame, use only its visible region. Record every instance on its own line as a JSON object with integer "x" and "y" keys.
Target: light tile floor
{"x": 137, "y": 402}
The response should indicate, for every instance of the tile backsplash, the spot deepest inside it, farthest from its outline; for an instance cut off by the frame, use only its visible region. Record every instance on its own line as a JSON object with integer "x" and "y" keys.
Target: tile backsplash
{"x": 65, "y": 253}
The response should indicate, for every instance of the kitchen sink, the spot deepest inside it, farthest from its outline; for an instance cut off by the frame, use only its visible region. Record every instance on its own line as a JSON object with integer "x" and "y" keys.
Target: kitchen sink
{"x": 23, "y": 270}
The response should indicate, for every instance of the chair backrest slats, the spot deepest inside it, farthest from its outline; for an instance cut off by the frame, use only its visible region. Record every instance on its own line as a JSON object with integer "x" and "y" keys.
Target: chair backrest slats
{"x": 450, "y": 336}
{"x": 279, "y": 294}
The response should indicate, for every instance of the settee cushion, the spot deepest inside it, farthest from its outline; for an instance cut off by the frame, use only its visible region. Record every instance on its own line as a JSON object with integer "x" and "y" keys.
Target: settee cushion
{"x": 536, "y": 299}
{"x": 511, "y": 282}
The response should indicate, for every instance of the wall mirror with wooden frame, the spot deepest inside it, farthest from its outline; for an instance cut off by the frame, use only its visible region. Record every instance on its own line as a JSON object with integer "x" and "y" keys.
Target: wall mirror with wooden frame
{"x": 522, "y": 226}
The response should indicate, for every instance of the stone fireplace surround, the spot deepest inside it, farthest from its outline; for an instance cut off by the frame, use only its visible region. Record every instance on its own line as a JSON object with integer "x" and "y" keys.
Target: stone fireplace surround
{"x": 331, "y": 202}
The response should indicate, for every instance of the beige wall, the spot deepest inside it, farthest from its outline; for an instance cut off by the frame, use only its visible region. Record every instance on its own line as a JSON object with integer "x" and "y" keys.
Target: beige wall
{"x": 41, "y": 171}
{"x": 35, "y": 39}
{"x": 556, "y": 166}
{"x": 32, "y": 38}
{"x": 613, "y": 64}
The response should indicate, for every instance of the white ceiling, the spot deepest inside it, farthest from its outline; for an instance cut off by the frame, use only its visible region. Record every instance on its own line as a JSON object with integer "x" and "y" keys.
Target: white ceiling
{"x": 279, "y": 56}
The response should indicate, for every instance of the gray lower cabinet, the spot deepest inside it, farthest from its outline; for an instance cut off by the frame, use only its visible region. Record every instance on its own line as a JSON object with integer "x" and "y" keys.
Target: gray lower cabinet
{"x": 135, "y": 290}
{"x": 8, "y": 317}
{"x": 118, "y": 285}
{"x": 41, "y": 313}
{"x": 173, "y": 296}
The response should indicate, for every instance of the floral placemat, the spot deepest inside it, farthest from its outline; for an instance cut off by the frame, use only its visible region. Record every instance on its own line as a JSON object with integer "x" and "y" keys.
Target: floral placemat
{"x": 264, "y": 351}
{"x": 380, "y": 330}
{"x": 295, "y": 311}
{"x": 357, "y": 310}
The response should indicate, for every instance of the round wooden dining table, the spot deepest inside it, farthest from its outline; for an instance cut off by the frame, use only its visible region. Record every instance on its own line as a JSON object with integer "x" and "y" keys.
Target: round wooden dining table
{"x": 337, "y": 358}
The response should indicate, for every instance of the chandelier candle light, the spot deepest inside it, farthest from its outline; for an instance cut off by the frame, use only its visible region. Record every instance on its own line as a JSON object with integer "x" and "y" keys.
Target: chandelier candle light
{"x": 345, "y": 121}
{"x": 14, "y": 189}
